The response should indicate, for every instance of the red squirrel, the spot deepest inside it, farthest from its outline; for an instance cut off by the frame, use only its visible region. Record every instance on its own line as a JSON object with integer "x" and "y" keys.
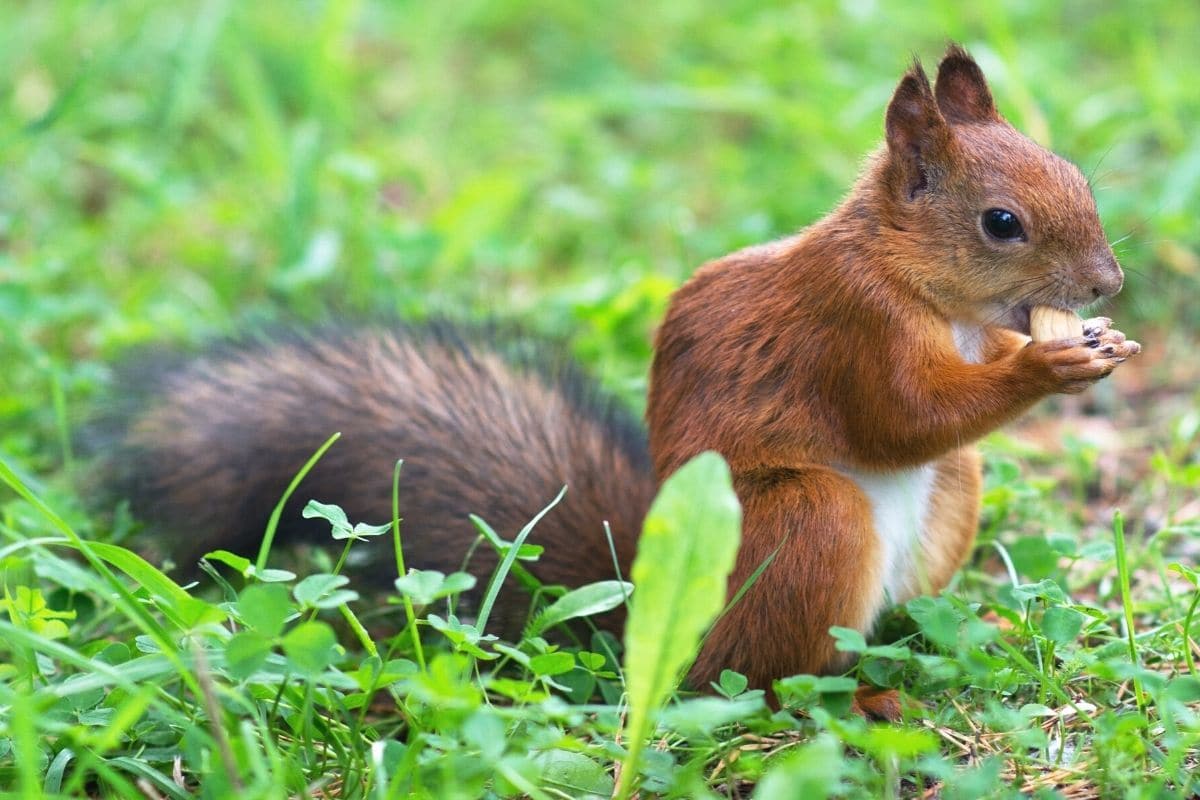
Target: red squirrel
{"x": 843, "y": 372}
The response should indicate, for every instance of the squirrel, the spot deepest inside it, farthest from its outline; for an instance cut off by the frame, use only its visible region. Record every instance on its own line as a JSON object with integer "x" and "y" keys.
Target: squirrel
{"x": 844, "y": 373}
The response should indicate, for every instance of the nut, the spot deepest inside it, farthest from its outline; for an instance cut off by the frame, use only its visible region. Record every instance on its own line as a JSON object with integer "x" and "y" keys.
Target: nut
{"x": 1047, "y": 323}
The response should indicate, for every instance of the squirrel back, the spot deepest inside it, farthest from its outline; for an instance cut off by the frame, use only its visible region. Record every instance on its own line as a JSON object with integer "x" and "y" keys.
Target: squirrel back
{"x": 208, "y": 447}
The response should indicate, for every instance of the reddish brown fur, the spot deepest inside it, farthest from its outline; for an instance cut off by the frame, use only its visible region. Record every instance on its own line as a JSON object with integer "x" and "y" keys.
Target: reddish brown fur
{"x": 803, "y": 362}
{"x": 834, "y": 350}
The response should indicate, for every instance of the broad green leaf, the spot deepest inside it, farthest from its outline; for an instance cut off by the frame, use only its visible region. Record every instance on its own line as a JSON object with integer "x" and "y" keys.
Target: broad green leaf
{"x": 331, "y": 513}
{"x": 552, "y": 663}
{"x": 883, "y": 671}
{"x": 264, "y": 607}
{"x": 1061, "y": 624}
{"x": 574, "y": 775}
{"x": 732, "y": 683}
{"x": 592, "y": 661}
{"x": 687, "y": 550}
{"x": 311, "y": 647}
{"x": 938, "y": 619}
{"x": 848, "y": 640}
{"x": 595, "y": 598}
{"x": 245, "y": 652}
{"x": 320, "y": 591}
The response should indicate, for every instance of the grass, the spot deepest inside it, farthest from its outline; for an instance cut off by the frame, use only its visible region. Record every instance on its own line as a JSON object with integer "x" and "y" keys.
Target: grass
{"x": 177, "y": 171}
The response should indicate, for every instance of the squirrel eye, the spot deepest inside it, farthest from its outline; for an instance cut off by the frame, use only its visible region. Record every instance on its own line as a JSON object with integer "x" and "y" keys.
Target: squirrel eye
{"x": 1000, "y": 223}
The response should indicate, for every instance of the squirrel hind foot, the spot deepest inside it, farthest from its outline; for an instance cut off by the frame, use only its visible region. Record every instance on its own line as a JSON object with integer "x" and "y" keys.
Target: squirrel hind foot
{"x": 873, "y": 703}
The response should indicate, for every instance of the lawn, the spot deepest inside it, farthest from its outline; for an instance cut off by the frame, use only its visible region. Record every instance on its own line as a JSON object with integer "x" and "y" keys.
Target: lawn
{"x": 174, "y": 173}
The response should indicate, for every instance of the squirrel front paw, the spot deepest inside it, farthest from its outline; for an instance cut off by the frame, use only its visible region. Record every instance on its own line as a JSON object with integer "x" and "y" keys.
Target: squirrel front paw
{"x": 1072, "y": 365}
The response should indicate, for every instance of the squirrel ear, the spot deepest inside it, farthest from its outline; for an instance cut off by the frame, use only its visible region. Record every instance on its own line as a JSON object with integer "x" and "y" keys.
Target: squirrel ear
{"x": 917, "y": 136}
{"x": 962, "y": 91}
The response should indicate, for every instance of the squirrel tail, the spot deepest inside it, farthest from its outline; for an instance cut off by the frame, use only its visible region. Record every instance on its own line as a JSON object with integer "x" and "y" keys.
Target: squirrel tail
{"x": 204, "y": 449}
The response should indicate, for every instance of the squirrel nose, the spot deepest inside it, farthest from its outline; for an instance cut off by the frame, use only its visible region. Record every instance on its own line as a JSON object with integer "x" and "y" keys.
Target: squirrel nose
{"x": 1106, "y": 274}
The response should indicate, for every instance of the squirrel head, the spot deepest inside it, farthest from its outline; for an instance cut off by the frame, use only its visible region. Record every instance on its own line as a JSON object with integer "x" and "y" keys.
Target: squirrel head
{"x": 995, "y": 222}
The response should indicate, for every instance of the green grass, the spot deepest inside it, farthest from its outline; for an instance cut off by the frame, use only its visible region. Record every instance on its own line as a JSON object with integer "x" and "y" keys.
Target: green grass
{"x": 175, "y": 171}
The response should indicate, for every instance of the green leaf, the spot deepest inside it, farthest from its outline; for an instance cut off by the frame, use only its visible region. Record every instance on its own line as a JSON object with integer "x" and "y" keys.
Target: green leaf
{"x": 937, "y": 618}
{"x": 264, "y": 607}
{"x": 245, "y": 653}
{"x": 183, "y": 609}
{"x": 887, "y": 742}
{"x": 731, "y": 683}
{"x": 687, "y": 550}
{"x": 464, "y": 637}
{"x": 1047, "y": 590}
{"x": 592, "y": 661}
{"x": 319, "y": 591}
{"x": 594, "y": 598}
{"x": 526, "y": 552}
{"x": 311, "y": 647}
{"x": 702, "y": 715}
{"x": 552, "y": 663}
{"x": 508, "y": 563}
{"x": 238, "y": 563}
{"x": 423, "y": 586}
{"x": 333, "y": 514}
{"x": 247, "y": 570}
{"x": 362, "y": 531}
{"x": 891, "y": 651}
{"x": 834, "y": 692}
{"x": 574, "y": 775}
{"x": 848, "y": 640}
{"x": 341, "y": 527}
{"x": 1061, "y": 624}
{"x": 1185, "y": 689}
{"x": 883, "y": 671}
{"x": 485, "y": 730}
{"x": 52, "y": 783}
{"x": 812, "y": 772}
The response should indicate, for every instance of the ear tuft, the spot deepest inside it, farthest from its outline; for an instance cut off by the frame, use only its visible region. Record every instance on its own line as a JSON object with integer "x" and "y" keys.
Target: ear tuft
{"x": 917, "y": 135}
{"x": 962, "y": 91}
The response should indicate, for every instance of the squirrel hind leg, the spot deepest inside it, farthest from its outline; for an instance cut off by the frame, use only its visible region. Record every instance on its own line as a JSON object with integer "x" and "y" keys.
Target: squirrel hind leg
{"x": 826, "y": 572}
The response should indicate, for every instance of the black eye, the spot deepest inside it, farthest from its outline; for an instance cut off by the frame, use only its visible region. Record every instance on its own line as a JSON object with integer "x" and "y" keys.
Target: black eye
{"x": 1003, "y": 224}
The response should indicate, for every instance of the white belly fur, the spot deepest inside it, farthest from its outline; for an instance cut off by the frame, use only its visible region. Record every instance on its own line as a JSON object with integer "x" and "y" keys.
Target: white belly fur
{"x": 900, "y": 499}
{"x": 900, "y": 507}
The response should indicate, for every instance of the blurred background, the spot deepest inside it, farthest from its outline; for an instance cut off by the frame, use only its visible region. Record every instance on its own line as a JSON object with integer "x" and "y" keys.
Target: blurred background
{"x": 177, "y": 171}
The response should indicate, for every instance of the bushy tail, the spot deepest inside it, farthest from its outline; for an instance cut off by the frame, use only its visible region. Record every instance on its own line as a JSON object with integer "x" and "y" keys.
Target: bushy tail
{"x": 210, "y": 446}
